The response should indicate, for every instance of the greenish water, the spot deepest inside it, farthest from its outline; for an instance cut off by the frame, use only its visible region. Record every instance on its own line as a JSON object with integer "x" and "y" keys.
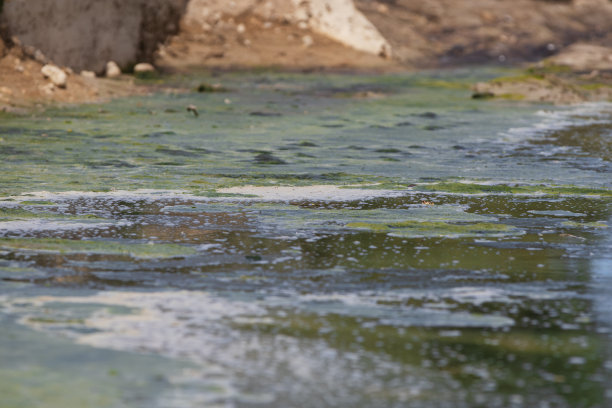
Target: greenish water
{"x": 307, "y": 241}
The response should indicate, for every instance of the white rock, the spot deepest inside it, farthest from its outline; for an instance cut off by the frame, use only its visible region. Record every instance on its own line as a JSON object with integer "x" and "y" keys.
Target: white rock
{"x": 112, "y": 69}
{"x": 143, "y": 67}
{"x": 88, "y": 74}
{"x": 343, "y": 22}
{"x": 340, "y": 20}
{"x": 57, "y": 76}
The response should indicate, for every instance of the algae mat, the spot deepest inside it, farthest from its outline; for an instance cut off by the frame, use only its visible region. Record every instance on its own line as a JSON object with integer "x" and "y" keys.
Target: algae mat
{"x": 307, "y": 241}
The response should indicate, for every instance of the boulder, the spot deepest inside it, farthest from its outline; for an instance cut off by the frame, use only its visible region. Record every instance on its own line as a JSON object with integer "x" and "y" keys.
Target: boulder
{"x": 88, "y": 74}
{"x": 55, "y": 74}
{"x": 339, "y": 20}
{"x": 112, "y": 69}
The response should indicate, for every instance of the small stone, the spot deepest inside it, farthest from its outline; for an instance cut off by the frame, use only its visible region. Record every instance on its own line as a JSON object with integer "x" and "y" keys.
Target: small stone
{"x": 48, "y": 88}
{"x": 112, "y": 69}
{"x": 307, "y": 41}
{"x": 143, "y": 67}
{"x": 88, "y": 74}
{"x": 241, "y": 28}
{"x": 29, "y": 51}
{"x": 40, "y": 57}
{"x": 57, "y": 76}
{"x": 193, "y": 109}
{"x": 382, "y": 8}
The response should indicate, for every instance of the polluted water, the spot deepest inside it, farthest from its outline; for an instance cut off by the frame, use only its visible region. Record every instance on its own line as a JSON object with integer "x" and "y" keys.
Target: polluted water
{"x": 307, "y": 241}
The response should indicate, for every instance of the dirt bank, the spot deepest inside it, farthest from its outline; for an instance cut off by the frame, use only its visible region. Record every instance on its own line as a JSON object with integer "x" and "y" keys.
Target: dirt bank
{"x": 581, "y": 73}
{"x": 249, "y": 34}
{"x": 450, "y": 32}
{"x": 427, "y": 34}
{"x": 23, "y": 86}
{"x": 249, "y": 41}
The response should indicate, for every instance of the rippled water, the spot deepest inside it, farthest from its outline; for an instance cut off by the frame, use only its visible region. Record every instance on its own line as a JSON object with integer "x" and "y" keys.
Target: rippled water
{"x": 307, "y": 241}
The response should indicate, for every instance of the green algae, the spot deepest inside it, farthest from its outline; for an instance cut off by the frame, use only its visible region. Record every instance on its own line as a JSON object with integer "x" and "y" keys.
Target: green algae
{"x": 66, "y": 246}
{"x": 593, "y": 139}
{"x": 182, "y": 152}
{"x": 472, "y": 188}
{"x": 37, "y": 202}
{"x": 594, "y": 86}
{"x": 50, "y": 320}
{"x": 437, "y": 221}
{"x": 216, "y": 194}
{"x": 576, "y": 224}
{"x": 424, "y": 228}
{"x": 441, "y": 220}
{"x": 255, "y": 178}
{"x": 511, "y": 96}
{"x": 370, "y": 250}
{"x": 9, "y": 213}
{"x": 15, "y": 213}
{"x": 96, "y": 135}
{"x": 529, "y": 76}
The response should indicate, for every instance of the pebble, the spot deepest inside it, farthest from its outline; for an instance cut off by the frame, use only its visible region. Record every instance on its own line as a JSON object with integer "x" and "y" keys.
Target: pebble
{"x": 193, "y": 109}
{"x": 48, "y": 89}
{"x": 112, "y": 69}
{"x": 143, "y": 67}
{"x": 55, "y": 74}
{"x": 88, "y": 74}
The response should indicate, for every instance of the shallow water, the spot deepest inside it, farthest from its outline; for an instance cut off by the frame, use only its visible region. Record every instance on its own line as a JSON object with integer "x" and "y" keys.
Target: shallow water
{"x": 307, "y": 241}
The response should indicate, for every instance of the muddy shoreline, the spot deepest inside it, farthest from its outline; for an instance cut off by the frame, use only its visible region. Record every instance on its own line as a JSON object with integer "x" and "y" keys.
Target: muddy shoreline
{"x": 561, "y": 45}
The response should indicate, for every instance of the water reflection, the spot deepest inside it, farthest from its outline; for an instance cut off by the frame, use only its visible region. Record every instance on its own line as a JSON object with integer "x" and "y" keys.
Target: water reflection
{"x": 496, "y": 320}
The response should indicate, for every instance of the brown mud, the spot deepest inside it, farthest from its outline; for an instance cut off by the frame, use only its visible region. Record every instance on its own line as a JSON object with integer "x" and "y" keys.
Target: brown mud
{"x": 432, "y": 34}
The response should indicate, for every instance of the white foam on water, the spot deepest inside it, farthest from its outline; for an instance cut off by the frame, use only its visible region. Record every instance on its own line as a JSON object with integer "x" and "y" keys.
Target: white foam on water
{"x": 38, "y": 224}
{"x": 558, "y": 119}
{"x": 138, "y": 194}
{"x": 198, "y": 327}
{"x": 322, "y": 192}
{"x": 314, "y": 193}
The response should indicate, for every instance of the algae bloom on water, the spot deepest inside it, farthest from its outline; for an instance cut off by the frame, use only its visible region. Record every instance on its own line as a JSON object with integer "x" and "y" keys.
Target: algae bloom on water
{"x": 66, "y": 246}
{"x": 294, "y": 248}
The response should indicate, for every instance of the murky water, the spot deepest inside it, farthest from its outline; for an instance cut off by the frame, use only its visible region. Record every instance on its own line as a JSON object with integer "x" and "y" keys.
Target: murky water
{"x": 307, "y": 241}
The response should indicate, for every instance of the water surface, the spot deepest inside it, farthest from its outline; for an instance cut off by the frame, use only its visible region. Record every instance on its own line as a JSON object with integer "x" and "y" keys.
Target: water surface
{"x": 307, "y": 241}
